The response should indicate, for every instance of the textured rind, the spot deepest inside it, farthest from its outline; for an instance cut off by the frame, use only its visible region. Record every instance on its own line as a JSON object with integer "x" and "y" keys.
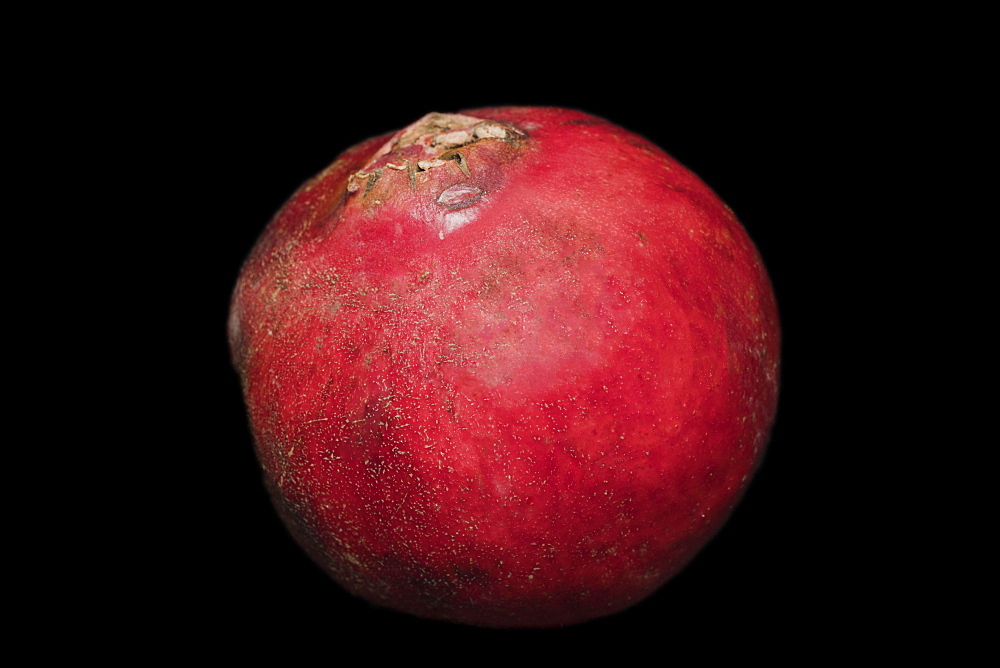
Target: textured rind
{"x": 531, "y": 418}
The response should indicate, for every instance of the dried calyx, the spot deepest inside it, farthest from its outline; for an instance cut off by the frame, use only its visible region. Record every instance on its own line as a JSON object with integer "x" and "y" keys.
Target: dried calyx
{"x": 430, "y": 142}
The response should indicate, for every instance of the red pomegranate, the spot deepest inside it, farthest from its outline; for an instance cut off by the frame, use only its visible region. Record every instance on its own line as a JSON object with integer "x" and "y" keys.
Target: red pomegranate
{"x": 511, "y": 367}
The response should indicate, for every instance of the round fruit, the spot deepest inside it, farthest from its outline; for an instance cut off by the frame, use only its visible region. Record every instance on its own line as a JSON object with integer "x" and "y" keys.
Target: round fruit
{"x": 511, "y": 367}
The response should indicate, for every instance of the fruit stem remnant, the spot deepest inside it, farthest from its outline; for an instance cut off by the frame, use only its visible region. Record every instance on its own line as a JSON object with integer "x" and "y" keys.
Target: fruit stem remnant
{"x": 436, "y": 138}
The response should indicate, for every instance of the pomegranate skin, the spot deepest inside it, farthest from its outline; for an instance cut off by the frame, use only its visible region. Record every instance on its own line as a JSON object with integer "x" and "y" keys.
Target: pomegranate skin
{"x": 511, "y": 367}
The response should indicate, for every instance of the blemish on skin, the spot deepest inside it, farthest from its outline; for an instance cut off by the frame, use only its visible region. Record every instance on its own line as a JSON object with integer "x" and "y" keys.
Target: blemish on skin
{"x": 460, "y": 196}
{"x": 455, "y": 199}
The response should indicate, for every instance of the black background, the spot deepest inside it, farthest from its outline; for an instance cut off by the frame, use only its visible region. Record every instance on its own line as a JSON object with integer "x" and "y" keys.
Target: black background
{"x": 783, "y": 137}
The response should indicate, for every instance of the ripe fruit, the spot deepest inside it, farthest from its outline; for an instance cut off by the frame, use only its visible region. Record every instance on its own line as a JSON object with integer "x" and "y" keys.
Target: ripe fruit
{"x": 512, "y": 367}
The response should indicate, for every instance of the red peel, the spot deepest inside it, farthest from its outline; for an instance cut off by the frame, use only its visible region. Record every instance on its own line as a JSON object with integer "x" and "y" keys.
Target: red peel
{"x": 510, "y": 368}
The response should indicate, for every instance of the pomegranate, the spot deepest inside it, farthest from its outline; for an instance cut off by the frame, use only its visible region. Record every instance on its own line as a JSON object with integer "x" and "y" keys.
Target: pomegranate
{"x": 510, "y": 367}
